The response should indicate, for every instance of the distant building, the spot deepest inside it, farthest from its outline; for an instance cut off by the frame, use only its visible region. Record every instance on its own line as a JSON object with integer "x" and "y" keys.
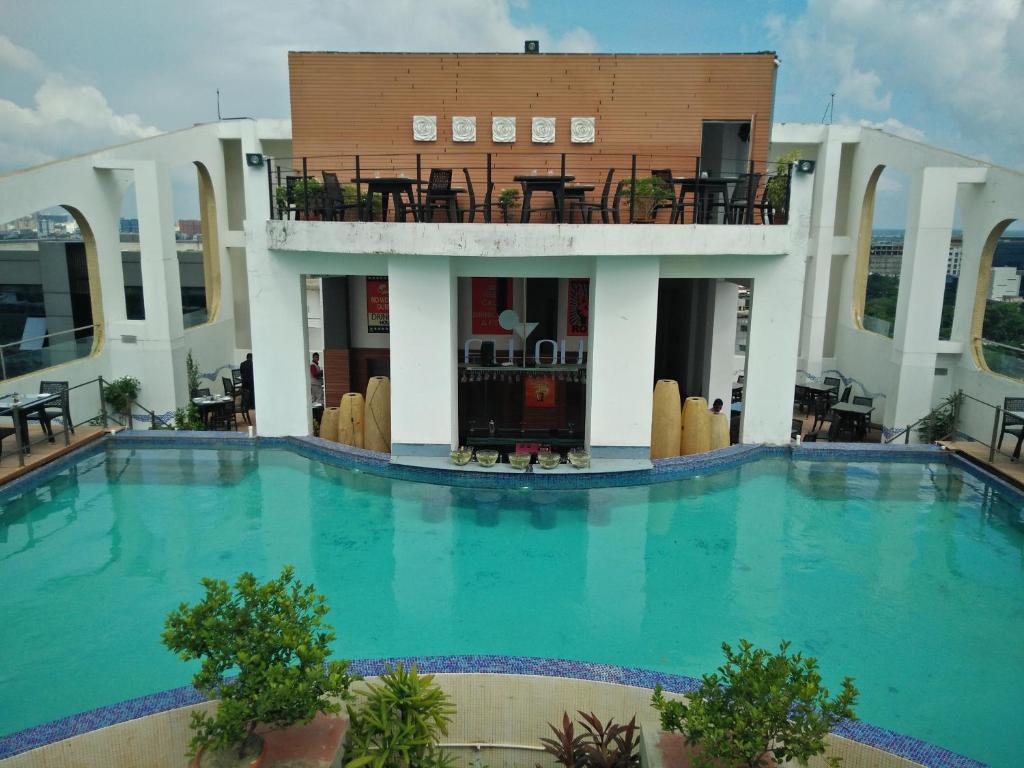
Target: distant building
{"x": 51, "y": 224}
{"x": 129, "y": 226}
{"x": 190, "y": 228}
{"x": 886, "y": 255}
{"x": 1005, "y": 284}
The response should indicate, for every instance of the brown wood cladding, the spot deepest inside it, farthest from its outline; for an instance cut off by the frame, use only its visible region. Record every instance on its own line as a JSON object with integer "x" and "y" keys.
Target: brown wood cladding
{"x": 345, "y": 104}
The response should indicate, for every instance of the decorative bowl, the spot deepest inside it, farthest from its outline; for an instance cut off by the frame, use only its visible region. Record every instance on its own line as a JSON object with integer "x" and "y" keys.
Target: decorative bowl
{"x": 486, "y": 457}
{"x": 461, "y": 456}
{"x": 519, "y": 460}
{"x": 579, "y": 458}
{"x": 548, "y": 460}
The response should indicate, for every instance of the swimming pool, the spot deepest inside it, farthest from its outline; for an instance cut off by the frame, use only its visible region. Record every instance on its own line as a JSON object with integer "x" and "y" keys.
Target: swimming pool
{"x": 907, "y": 576}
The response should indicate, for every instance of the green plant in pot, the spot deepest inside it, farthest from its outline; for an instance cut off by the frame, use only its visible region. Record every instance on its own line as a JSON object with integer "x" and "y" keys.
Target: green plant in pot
{"x": 760, "y": 709}
{"x": 274, "y": 639}
{"x": 941, "y": 421}
{"x": 121, "y": 393}
{"x": 311, "y": 189}
{"x": 777, "y": 186}
{"x": 508, "y": 201}
{"x": 649, "y": 191}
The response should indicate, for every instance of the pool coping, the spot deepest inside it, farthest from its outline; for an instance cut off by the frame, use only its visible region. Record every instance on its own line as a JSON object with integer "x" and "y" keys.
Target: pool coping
{"x": 928, "y": 755}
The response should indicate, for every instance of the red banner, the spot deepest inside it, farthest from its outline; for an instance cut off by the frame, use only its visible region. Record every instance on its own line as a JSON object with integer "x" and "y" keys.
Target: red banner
{"x": 540, "y": 391}
{"x": 486, "y": 305}
{"x": 378, "y": 313}
{"x": 577, "y": 319}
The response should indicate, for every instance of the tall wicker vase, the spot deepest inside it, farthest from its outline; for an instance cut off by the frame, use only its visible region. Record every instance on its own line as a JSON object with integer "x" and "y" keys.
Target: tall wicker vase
{"x": 719, "y": 431}
{"x": 329, "y": 425}
{"x": 696, "y": 427}
{"x": 350, "y": 420}
{"x": 666, "y": 420}
{"x": 377, "y": 430}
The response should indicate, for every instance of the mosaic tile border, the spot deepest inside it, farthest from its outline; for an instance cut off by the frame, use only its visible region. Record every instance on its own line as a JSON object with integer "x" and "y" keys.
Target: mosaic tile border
{"x": 908, "y": 747}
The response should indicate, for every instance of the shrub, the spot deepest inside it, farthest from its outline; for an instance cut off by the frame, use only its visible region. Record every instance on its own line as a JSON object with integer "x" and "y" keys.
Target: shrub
{"x": 191, "y": 374}
{"x": 650, "y": 190}
{"x": 274, "y": 635}
{"x": 400, "y": 722}
{"x": 188, "y": 418}
{"x": 758, "y": 705}
{"x": 940, "y": 422}
{"x": 599, "y": 745}
{"x": 775, "y": 187}
{"x": 122, "y": 392}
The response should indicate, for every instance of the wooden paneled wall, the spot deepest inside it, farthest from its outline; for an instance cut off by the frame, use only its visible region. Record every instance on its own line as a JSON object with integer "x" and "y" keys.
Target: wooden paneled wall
{"x": 345, "y": 104}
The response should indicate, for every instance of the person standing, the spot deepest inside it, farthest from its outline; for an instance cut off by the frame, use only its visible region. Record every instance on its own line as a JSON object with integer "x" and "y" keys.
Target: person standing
{"x": 248, "y": 388}
{"x": 316, "y": 380}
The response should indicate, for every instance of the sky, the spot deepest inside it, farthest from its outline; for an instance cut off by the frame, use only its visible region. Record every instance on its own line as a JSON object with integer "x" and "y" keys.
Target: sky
{"x": 76, "y": 75}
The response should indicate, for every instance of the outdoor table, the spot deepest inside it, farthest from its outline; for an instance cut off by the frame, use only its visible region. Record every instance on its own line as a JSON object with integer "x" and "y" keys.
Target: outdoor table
{"x": 812, "y": 391}
{"x": 710, "y": 189}
{"x": 451, "y": 195}
{"x": 207, "y": 405}
{"x": 737, "y": 392}
{"x": 543, "y": 183}
{"x": 27, "y": 404}
{"x": 384, "y": 186}
{"x": 858, "y": 414}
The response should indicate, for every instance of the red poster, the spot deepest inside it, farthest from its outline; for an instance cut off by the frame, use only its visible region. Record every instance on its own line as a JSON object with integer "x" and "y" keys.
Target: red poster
{"x": 378, "y": 315}
{"x": 578, "y": 307}
{"x": 540, "y": 391}
{"x": 486, "y": 306}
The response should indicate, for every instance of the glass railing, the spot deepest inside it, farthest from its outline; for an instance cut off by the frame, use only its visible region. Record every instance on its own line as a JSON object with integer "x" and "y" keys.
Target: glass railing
{"x": 1003, "y": 358}
{"x": 18, "y": 358}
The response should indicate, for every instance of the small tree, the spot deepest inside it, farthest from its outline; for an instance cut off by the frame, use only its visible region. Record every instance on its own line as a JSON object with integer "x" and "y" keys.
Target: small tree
{"x": 121, "y": 393}
{"x": 400, "y": 722}
{"x": 191, "y": 374}
{"x": 275, "y": 636}
{"x": 759, "y": 705}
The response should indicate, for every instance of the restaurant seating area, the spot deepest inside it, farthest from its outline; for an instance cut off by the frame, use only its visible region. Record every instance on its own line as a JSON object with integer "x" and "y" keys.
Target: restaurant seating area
{"x": 403, "y": 188}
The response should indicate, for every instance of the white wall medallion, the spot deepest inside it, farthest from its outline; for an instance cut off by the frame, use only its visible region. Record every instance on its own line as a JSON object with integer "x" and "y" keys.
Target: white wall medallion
{"x": 463, "y": 129}
{"x": 582, "y": 130}
{"x": 424, "y": 127}
{"x": 543, "y": 130}
{"x": 503, "y": 130}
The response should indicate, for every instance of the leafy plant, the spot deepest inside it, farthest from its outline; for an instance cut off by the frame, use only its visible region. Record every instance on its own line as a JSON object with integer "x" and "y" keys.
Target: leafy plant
{"x": 400, "y": 722}
{"x": 650, "y": 190}
{"x": 775, "y": 187}
{"x": 600, "y": 745}
{"x": 275, "y": 636}
{"x": 310, "y": 189}
{"x": 122, "y": 392}
{"x": 191, "y": 374}
{"x": 187, "y": 418}
{"x": 759, "y": 705}
{"x": 507, "y": 200}
{"x": 941, "y": 421}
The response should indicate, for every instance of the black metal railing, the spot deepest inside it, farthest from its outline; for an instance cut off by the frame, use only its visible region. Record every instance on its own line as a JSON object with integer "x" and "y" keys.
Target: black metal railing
{"x": 642, "y": 189}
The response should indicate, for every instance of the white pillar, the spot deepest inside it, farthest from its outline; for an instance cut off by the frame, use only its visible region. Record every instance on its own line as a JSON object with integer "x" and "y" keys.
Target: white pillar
{"x": 774, "y": 331}
{"x": 722, "y": 351}
{"x": 620, "y": 375}
{"x": 819, "y": 257}
{"x": 424, "y": 412}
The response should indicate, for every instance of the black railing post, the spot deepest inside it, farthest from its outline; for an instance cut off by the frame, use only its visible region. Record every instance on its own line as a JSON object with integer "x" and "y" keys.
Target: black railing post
{"x": 18, "y": 421}
{"x": 359, "y": 194}
{"x": 632, "y": 190}
{"x": 751, "y": 191}
{"x": 103, "y": 403}
{"x": 561, "y": 188}
{"x": 995, "y": 433}
{"x": 419, "y": 183}
{"x": 487, "y": 192}
{"x": 270, "y": 185}
{"x": 906, "y": 435}
{"x": 305, "y": 190}
{"x": 280, "y": 215}
{"x": 698, "y": 201}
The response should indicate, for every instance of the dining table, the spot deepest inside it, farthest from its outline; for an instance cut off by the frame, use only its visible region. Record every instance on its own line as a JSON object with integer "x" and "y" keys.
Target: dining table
{"x": 555, "y": 184}
{"x": 20, "y": 407}
{"x": 707, "y": 195}
{"x": 387, "y": 186}
{"x": 208, "y": 404}
{"x": 853, "y": 416}
{"x": 808, "y": 392}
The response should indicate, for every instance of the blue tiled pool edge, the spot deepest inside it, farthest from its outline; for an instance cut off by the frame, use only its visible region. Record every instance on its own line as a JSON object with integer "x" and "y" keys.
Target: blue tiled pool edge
{"x": 908, "y": 747}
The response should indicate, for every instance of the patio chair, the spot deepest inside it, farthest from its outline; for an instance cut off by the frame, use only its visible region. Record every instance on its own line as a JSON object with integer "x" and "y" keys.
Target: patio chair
{"x": 485, "y": 207}
{"x": 832, "y": 381}
{"x": 439, "y": 196}
{"x": 1011, "y": 422}
{"x": 201, "y": 392}
{"x": 46, "y": 415}
{"x": 334, "y": 205}
{"x": 742, "y": 198}
{"x": 822, "y": 413}
{"x": 235, "y": 393}
{"x": 223, "y": 417}
{"x": 665, "y": 174}
{"x": 796, "y": 427}
{"x": 846, "y": 394}
{"x": 236, "y": 377}
{"x": 863, "y": 421}
{"x": 5, "y": 432}
{"x": 588, "y": 209}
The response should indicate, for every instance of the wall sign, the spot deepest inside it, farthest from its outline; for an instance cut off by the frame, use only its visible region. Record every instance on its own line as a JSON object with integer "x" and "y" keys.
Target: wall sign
{"x": 378, "y": 314}
{"x": 543, "y": 130}
{"x": 424, "y": 127}
{"x": 539, "y": 392}
{"x": 582, "y": 130}
{"x": 463, "y": 129}
{"x": 487, "y": 306}
{"x": 503, "y": 130}
{"x": 577, "y": 320}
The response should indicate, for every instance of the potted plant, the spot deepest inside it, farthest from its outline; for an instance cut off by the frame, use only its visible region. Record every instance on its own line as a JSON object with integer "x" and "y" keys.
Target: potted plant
{"x": 399, "y": 722}
{"x": 649, "y": 191}
{"x": 508, "y": 201}
{"x": 311, "y": 189}
{"x": 940, "y": 422}
{"x": 760, "y": 709}
{"x": 777, "y": 186}
{"x": 121, "y": 393}
{"x": 274, "y": 639}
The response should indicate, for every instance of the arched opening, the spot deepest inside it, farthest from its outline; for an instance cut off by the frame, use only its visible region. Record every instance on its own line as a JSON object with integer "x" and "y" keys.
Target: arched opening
{"x": 880, "y": 251}
{"x": 50, "y": 305}
{"x": 997, "y": 326}
{"x": 211, "y": 247}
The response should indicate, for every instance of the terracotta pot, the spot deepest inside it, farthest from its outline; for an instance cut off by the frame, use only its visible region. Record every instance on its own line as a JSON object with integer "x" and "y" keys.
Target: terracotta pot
{"x": 676, "y": 753}
{"x": 228, "y": 758}
{"x": 315, "y": 745}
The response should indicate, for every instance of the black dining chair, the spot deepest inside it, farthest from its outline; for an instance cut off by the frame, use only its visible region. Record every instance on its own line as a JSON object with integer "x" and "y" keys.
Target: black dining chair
{"x": 846, "y": 394}
{"x": 822, "y": 413}
{"x": 439, "y": 196}
{"x": 741, "y": 200}
{"x": 670, "y": 203}
{"x": 46, "y": 415}
{"x": 469, "y": 214}
{"x": 5, "y": 432}
{"x": 1011, "y": 422}
{"x": 235, "y": 393}
{"x": 201, "y": 392}
{"x": 864, "y": 422}
{"x": 334, "y": 205}
{"x": 587, "y": 208}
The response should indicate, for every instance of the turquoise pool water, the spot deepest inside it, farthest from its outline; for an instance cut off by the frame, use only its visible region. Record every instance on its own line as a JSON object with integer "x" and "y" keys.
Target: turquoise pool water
{"x": 908, "y": 577}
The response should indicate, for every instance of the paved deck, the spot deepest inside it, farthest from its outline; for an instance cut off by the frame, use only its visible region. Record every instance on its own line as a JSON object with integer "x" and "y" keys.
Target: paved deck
{"x": 42, "y": 452}
{"x": 1001, "y": 464}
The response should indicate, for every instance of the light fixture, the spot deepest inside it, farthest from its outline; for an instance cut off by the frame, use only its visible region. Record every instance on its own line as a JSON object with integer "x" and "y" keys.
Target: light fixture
{"x": 531, "y": 46}
{"x": 805, "y": 166}
{"x": 254, "y": 159}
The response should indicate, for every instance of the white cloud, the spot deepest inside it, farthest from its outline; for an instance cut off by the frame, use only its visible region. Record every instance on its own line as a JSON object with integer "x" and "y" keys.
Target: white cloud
{"x": 895, "y": 127}
{"x": 15, "y": 57}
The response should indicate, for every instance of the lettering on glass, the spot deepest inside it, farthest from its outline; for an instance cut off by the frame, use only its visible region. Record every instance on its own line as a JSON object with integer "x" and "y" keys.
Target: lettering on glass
{"x": 491, "y": 297}
{"x": 378, "y": 313}
{"x": 577, "y": 320}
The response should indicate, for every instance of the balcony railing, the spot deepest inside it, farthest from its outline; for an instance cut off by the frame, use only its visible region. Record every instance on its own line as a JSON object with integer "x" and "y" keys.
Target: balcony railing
{"x": 530, "y": 187}
{"x": 45, "y": 351}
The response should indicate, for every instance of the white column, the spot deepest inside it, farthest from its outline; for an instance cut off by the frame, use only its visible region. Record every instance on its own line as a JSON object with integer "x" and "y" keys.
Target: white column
{"x": 819, "y": 257}
{"x": 424, "y": 412}
{"x": 722, "y": 351}
{"x": 620, "y": 375}
{"x": 774, "y": 331}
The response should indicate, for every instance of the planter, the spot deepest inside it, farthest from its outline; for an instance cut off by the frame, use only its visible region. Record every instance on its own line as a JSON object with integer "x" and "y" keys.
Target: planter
{"x": 672, "y": 751}
{"x": 317, "y": 744}
{"x": 228, "y": 758}
{"x": 511, "y": 214}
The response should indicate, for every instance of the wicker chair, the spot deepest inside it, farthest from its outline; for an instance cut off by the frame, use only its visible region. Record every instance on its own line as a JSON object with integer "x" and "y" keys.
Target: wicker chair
{"x": 485, "y": 207}
{"x": 46, "y": 415}
{"x": 1011, "y": 423}
{"x": 439, "y": 196}
{"x": 665, "y": 174}
{"x": 588, "y": 209}
{"x": 334, "y": 205}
